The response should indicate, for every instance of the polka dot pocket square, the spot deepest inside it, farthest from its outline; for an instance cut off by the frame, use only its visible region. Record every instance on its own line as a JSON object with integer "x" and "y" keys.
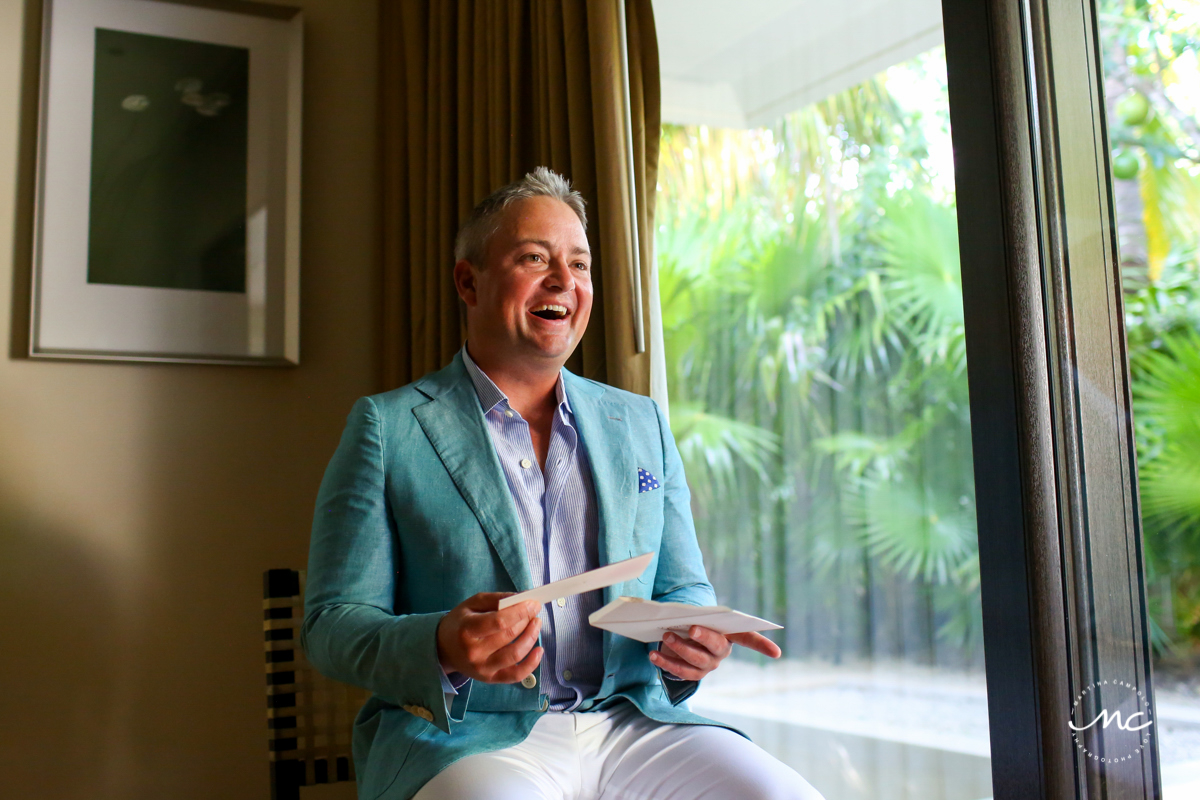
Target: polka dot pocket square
{"x": 646, "y": 481}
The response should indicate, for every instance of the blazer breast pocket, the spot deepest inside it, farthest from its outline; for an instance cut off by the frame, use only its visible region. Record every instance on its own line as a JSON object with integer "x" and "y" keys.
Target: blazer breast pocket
{"x": 648, "y": 530}
{"x": 642, "y": 584}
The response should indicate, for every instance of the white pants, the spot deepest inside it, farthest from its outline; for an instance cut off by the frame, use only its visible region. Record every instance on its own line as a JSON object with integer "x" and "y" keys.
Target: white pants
{"x": 620, "y": 755}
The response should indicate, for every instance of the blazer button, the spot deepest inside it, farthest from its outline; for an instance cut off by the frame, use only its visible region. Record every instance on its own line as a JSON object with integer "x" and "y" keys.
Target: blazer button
{"x": 529, "y": 681}
{"x": 545, "y": 702}
{"x": 420, "y": 711}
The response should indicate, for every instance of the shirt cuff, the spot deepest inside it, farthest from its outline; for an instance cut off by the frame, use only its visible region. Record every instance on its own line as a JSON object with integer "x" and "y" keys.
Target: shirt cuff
{"x": 452, "y": 682}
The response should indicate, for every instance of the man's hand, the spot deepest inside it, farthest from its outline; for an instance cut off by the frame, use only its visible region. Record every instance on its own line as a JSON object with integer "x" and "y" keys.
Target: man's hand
{"x": 489, "y": 645}
{"x": 692, "y": 659}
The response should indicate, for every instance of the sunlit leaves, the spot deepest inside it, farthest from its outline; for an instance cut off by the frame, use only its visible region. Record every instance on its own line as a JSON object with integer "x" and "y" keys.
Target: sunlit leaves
{"x": 813, "y": 320}
{"x": 1168, "y": 393}
{"x": 861, "y": 454}
{"x": 1158, "y": 246}
{"x": 913, "y": 528}
{"x": 918, "y": 244}
{"x": 712, "y": 445}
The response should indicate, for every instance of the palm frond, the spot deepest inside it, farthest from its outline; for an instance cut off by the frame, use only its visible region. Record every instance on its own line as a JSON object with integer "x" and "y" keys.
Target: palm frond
{"x": 1169, "y": 394}
{"x": 913, "y": 529}
{"x": 918, "y": 245}
{"x": 712, "y": 445}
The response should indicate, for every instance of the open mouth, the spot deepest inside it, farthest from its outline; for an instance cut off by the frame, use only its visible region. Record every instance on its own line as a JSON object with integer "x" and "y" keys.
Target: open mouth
{"x": 549, "y": 311}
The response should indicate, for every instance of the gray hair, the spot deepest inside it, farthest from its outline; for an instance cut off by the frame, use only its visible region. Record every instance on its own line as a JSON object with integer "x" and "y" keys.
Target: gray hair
{"x": 472, "y": 240}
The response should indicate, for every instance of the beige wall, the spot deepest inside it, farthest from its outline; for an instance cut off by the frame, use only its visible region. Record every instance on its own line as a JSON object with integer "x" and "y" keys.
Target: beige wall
{"x": 139, "y": 504}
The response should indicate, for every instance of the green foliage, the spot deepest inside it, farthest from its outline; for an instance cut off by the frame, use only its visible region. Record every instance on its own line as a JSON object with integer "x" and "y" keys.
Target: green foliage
{"x": 1152, "y": 125}
{"x": 812, "y": 311}
{"x": 915, "y": 529}
{"x": 1167, "y": 397}
{"x": 1147, "y": 48}
{"x": 712, "y": 445}
{"x": 918, "y": 245}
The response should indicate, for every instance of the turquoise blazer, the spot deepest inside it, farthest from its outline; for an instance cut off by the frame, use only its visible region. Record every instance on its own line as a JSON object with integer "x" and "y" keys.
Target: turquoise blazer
{"x": 414, "y": 516}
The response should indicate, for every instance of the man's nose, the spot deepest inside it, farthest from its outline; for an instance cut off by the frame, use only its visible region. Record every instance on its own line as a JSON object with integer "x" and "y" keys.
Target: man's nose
{"x": 559, "y": 278}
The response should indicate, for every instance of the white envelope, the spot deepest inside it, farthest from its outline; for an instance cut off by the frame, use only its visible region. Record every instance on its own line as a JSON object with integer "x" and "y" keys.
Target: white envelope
{"x": 618, "y": 572}
{"x": 648, "y": 620}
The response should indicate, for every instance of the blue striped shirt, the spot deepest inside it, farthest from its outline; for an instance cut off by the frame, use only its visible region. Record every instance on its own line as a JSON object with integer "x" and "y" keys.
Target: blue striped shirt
{"x": 557, "y": 512}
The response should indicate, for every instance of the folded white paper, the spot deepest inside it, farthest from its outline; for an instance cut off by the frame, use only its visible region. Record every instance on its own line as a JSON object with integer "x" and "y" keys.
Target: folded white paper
{"x": 648, "y": 620}
{"x": 600, "y": 578}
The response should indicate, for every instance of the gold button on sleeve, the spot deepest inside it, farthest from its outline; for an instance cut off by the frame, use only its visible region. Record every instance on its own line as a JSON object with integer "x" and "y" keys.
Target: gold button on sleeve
{"x": 420, "y": 711}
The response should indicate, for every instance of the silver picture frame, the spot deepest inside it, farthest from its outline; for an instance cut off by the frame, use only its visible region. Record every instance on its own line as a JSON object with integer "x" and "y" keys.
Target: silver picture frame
{"x": 167, "y": 199}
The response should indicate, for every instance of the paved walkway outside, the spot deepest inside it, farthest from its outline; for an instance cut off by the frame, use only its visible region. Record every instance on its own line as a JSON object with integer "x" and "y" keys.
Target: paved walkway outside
{"x": 930, "y": 725}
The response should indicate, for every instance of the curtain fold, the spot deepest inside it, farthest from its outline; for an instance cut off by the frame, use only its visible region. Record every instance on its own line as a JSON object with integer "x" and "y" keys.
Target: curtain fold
{"x": 475, "y": 93}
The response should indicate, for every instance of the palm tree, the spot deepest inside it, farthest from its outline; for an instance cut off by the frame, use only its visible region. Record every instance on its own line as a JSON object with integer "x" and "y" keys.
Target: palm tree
{"x": 815, "y": 362}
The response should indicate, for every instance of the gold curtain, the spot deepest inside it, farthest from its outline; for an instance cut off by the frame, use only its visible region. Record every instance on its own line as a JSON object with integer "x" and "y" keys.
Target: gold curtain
{"x": 475, "y": 93}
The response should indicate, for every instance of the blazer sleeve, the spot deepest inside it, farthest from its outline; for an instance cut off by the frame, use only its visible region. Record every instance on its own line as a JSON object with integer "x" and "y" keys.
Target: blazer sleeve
{"x": 681, "y": 577}
{"x": 351, "y": 630}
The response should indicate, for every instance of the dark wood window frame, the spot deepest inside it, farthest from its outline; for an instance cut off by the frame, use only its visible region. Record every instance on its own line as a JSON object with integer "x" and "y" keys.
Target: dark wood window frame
{"x": 1064, "y": 597}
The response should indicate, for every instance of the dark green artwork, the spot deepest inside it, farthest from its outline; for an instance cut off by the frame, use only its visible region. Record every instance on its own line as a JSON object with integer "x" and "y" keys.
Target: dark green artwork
{"x": 168, "y": 194}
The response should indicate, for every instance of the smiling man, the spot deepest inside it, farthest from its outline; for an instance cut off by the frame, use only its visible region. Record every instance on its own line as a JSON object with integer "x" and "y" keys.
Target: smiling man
{"x": 501, "y": 472}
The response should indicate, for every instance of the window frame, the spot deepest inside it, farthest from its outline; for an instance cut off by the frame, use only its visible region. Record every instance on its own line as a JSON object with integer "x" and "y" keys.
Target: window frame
{"x": 1062, "y": 578}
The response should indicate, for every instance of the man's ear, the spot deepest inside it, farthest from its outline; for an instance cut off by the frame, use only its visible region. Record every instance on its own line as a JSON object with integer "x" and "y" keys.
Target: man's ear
{"x": 464, "y": 282}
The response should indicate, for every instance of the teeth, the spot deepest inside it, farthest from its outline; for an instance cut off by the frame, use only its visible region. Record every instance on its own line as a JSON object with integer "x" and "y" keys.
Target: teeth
{"x": 550, "y": 311}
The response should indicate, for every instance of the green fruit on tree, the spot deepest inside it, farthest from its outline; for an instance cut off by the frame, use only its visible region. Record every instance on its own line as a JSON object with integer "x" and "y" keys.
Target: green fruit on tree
{"x": 1125, "y": 165}
{"x": 1133, "y": 109}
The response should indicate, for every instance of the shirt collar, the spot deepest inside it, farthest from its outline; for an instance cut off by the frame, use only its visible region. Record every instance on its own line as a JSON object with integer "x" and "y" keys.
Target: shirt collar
{"x": 490, "y": 394}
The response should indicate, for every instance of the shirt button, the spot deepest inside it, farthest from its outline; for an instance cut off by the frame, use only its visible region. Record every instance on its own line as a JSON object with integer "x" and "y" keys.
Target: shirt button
{"x": 508, "y": 412}
{"x": 526, "y": 463}
{"x": 567, "y": 674}
{"x": 529, "y": 681}
{"x": 562, "y": 601}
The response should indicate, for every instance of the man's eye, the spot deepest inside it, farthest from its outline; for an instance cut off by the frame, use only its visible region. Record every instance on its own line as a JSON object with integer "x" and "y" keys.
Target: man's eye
{"x": 583, "y": 266}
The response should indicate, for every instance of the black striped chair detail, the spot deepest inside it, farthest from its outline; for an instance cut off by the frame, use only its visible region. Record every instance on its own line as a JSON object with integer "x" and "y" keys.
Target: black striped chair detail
{"x": 309, "y": 717}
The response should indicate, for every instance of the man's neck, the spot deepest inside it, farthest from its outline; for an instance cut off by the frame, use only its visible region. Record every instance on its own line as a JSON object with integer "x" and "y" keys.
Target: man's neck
{"x": 530, "y": 388}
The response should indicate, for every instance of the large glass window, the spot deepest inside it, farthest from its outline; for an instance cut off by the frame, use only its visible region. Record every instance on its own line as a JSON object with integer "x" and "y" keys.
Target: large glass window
{"x": 813, "y": 318}
{"x": 1151, "y": 54}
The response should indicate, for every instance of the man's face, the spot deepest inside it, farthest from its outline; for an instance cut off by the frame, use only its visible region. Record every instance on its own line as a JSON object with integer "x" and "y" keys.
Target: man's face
{"x": 533, "y": 298}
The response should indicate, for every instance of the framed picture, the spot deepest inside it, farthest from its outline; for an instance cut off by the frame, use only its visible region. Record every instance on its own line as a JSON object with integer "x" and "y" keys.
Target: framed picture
{"x": 168, "y": 196}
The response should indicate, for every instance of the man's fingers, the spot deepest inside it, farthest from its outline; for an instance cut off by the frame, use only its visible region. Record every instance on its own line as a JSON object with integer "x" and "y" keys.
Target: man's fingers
{"x": 484, "y": 601}
{"x": 676, "y": 666}
{"x": 714, "y": 641}
{"x": 691, "y": 652}
{"x": 519, "y": 671}
{"x": 756, "y": 642}
{"x": 506, "y": 623}
{"x": 521, "y": 611}
{"x": 516, "y": 650}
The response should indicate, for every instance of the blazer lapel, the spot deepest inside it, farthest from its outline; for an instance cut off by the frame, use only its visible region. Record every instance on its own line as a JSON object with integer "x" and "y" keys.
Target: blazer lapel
{"x": 454, "y": 425}
{"x": 604, "y": 427}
